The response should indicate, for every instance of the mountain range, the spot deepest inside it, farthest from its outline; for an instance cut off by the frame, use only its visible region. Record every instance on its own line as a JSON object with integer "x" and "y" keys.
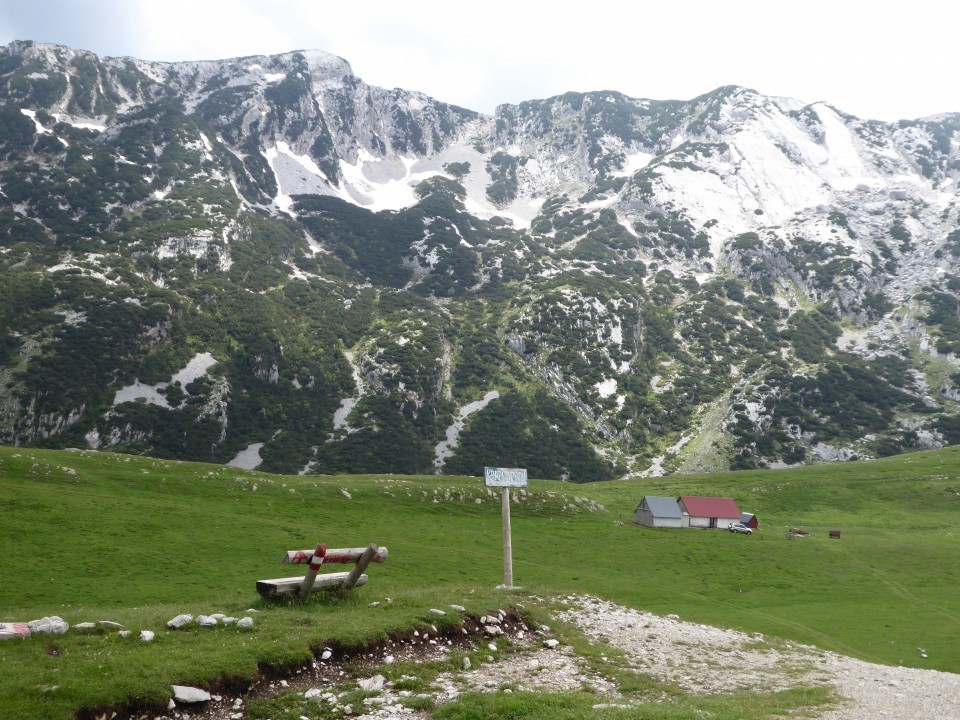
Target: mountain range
{"x": 266, "y": 261}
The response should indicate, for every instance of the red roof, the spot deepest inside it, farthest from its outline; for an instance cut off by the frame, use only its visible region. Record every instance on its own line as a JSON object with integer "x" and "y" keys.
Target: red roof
{"x": 710, "y": 507}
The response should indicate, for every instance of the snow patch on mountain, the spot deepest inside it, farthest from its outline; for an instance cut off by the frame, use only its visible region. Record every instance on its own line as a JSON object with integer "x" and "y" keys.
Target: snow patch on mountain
{"x": 342, "y": 414}
{"x": 195, "y": 368}
{"x": 382, "y": 184}
{"x": 40, "y": 129}
{"x": 606, "y": 388}
{"x": 248, "y": 458}
{"x": 446, "y": 448}
{"x": 633, "y": 163}
{"x": 844, "y": 169}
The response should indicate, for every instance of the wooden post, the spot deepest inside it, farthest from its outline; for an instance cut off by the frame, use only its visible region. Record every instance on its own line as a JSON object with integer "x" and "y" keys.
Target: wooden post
{"x": 507, "y": 540}
{"x": 505, "y": 478}
{"x": 306, "y": 587}
{"x": 361, "y": 565}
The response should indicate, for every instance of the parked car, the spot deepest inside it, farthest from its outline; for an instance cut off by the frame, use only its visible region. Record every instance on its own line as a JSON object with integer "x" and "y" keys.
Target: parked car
{"x": 740, "y": 528}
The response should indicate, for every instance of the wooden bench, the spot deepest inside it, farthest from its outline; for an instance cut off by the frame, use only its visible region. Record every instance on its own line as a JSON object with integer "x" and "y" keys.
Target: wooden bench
{"x": 311, "y": 582}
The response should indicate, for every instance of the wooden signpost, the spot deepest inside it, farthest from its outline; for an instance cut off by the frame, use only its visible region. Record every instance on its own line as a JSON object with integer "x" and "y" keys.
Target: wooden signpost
{"x": 322, "y": 555}
{"x": 506, "y": 478}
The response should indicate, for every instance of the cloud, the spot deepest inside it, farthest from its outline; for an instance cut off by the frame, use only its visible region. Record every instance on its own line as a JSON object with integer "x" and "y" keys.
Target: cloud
{"x": 101, "y": 26}
{"x": 869, "y": 58}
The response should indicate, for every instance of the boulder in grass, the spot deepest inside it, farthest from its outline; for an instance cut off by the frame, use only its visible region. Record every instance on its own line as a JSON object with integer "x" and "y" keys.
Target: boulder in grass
{"x": 52, "y": 625}
{"x": 147, "y": 635}
{"x": 246, "y": 622}
{"x": 206, "y": 621}
{"x": 179, "y": 621}
{"x": 186, "y": 694}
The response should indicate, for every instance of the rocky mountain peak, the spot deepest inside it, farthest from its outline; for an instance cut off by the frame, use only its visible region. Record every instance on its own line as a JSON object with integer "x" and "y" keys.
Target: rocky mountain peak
{"x": 268, "y": 255}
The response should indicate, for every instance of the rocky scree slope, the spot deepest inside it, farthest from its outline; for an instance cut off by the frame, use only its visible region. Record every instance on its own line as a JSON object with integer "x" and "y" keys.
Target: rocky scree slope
{"x": 266, "y": 261}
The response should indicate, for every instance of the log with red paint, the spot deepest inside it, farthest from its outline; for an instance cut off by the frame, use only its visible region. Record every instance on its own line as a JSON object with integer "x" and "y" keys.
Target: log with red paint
{"x": 333, "y": 555}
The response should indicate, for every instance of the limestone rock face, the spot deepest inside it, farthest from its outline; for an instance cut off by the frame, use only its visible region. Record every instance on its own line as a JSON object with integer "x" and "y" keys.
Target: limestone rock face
{"x": 733, "y": 280}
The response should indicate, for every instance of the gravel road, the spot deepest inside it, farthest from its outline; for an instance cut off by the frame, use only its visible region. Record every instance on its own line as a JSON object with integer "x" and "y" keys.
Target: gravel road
{"x": 687, "y": 654}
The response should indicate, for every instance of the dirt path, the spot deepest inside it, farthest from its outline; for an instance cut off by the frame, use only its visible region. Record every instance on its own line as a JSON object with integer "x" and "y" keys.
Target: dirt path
{"x": 698, "y": 658}
{"x": 687, "y": 654}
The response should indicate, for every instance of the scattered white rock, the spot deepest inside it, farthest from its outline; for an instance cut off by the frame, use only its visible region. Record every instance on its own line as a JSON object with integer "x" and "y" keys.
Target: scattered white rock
{"x": 435, "y": 611}
{"x": 147, "y": 635}
{"x": 389, "y": 659}
{"x": 491, "y": 647}
{"x": 326, "y": 654}
{"x": 53, "y": 625}
{"x": 551, "y": 644}
{"x": 458, "y": 608}
{"x": 206, "y": 620}
{"x": 85, "y": 626}
{"x": 179, "y": 621}
{"x": 228, "y": 620}
{"x": 466, "y": 663}
{"x": 372, "y": 684}
{"x": 186, "y": 694}
{"x": 124, "y": 633}
{"x": 245, "y": 622}
{"x": 109, "y": 624}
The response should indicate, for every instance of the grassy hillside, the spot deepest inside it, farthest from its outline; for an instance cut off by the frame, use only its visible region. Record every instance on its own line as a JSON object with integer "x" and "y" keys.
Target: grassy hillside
{"x": 92, "y": 536}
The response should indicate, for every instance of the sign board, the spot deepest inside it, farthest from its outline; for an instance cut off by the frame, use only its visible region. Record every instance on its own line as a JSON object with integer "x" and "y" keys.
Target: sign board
{"x": 505, "y": 477}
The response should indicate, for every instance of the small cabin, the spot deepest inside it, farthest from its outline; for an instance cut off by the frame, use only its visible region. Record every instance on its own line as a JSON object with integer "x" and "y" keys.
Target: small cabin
{"x": 657, "y": 512}
{"x": 708, "y": 512}
{"x": 750, "y": 520}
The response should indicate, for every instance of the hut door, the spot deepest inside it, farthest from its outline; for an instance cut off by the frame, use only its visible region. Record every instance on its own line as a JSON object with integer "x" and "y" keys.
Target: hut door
{"x": 713, "y": 523}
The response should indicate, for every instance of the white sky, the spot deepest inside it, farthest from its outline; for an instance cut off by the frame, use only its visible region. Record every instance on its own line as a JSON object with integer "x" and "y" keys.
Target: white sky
{"x": 875, "y": 59}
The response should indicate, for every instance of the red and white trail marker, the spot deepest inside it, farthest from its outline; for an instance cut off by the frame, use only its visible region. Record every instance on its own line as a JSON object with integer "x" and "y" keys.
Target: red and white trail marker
{"x": 16, "y": 629}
